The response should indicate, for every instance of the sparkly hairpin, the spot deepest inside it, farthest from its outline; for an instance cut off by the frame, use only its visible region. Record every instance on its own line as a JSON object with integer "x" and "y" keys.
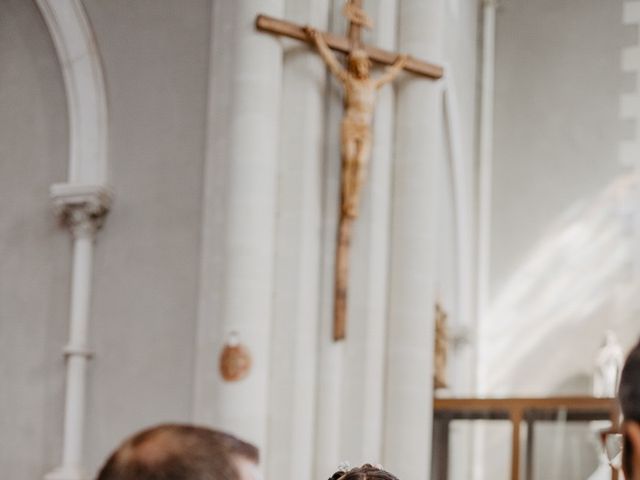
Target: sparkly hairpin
{"x": 343, "y": 469}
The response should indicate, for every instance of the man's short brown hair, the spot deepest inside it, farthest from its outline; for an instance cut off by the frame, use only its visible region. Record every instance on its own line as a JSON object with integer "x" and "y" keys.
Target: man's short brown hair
{"x": 177, "y": 452}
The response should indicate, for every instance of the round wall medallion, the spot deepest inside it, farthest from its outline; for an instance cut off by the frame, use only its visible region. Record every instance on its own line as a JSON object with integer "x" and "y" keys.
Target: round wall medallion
{"x": 235, "y": 360}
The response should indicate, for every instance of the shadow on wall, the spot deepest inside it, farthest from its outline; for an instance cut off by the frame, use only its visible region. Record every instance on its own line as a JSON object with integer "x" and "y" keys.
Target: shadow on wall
{"x": 547, "y": 321}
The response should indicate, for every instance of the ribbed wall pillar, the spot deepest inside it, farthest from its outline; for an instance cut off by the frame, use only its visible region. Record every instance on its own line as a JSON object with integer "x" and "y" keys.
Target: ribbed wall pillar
{"x": 292, "y": 389}
{"x": 239, "y": 228}
{"x": 411, "y": 304}
{"x": 362, "y": 392}
{"x": 330, "y": 353}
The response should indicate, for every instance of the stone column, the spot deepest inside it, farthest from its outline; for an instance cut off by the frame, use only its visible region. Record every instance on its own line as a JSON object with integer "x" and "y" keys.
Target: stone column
{"x": 292, "y": 386}
{"x": 239, "y": 215}
{"x": 82, "y": 209}
{"x": 362, "y": 391}
{"x": 330, "y": 353}
{"x": 411, "y": 304}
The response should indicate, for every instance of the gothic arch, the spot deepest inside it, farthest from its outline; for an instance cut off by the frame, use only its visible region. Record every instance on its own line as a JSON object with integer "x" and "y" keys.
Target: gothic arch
{"x": 81, "y": 67}
{"x": 83, "y": 200}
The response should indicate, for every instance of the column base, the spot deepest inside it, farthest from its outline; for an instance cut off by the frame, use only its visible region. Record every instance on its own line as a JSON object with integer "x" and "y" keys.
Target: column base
{"x": 66, "y": 473}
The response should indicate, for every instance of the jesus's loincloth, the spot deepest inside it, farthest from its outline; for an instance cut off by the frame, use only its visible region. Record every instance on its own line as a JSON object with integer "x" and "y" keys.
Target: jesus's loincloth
{"x": 355, "y": 131}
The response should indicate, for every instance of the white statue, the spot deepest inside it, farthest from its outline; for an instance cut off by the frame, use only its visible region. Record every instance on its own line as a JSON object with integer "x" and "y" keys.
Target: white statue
{"x": 608, "y": 367}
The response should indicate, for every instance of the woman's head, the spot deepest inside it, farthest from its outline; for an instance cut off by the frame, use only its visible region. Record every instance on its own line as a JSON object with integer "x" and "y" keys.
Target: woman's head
{"x": 365, "y": 472}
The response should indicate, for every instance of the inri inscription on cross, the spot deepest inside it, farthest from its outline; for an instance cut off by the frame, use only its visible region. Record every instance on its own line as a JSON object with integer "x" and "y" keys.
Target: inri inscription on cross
{"x": 359, "y": 102}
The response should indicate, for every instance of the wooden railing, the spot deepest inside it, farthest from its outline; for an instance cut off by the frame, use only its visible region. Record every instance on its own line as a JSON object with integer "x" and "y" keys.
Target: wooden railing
{"x": 516, "y": 410}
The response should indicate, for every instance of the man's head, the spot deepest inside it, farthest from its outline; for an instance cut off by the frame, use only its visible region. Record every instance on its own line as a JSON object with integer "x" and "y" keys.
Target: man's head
{"x": 359, "y": 63}
{"x": 181, "y": 452}
{"x": 629, "y": 396}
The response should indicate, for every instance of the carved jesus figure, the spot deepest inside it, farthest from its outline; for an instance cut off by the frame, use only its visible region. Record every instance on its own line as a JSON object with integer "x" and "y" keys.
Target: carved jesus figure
{"x": 360, "y": 96}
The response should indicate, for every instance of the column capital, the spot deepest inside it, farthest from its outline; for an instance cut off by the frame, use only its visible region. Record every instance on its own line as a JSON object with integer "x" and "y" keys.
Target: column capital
{"x": 82, "y": 208}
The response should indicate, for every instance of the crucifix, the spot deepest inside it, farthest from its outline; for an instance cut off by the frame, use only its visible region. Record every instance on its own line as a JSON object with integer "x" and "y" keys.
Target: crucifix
{"x": 359, "y": 102}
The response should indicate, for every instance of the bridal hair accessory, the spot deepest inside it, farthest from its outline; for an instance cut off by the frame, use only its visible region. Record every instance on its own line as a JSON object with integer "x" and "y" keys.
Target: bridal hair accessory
{"x": 342, "y": 471}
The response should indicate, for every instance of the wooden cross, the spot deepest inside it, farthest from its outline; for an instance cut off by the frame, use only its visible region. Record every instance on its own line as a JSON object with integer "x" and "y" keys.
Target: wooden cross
{"x": 358, "y": 131}
{"x": 268, "y": 24}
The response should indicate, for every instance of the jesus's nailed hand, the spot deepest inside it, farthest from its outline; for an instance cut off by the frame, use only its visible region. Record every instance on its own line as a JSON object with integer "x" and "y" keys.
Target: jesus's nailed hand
{"x": 403, "y": 58}
{"x": 310, "y": 31}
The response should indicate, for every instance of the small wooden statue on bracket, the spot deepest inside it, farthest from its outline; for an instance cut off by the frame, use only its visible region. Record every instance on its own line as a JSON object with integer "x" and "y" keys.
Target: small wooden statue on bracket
{"x": 440, "y": 350}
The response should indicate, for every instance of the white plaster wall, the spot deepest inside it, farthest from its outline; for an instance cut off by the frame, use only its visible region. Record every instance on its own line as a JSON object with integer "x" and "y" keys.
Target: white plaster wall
{"x": 35, "y": 252}
{"x": 558, "y": 80}
{"x": 155, "y": 57}
{"x": 559, "y": 238}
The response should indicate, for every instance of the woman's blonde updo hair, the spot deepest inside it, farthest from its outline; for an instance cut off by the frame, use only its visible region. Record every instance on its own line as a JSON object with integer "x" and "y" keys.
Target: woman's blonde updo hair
{"x": 365, "y": 472}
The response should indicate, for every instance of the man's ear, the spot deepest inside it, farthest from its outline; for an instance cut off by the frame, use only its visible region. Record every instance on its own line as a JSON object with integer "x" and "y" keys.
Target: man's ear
{"x": 632, "y": 431}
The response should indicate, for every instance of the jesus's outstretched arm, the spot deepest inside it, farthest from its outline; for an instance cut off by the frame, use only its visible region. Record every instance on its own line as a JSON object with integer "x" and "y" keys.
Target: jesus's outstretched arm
{"x": 392, "y": 72}
{"x": 326, "y": 54}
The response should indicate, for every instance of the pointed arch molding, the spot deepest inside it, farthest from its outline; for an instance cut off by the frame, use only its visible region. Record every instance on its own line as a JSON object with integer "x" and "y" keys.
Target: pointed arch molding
{"x": 82, "y": 201}
{"x": 81, "y": 67}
